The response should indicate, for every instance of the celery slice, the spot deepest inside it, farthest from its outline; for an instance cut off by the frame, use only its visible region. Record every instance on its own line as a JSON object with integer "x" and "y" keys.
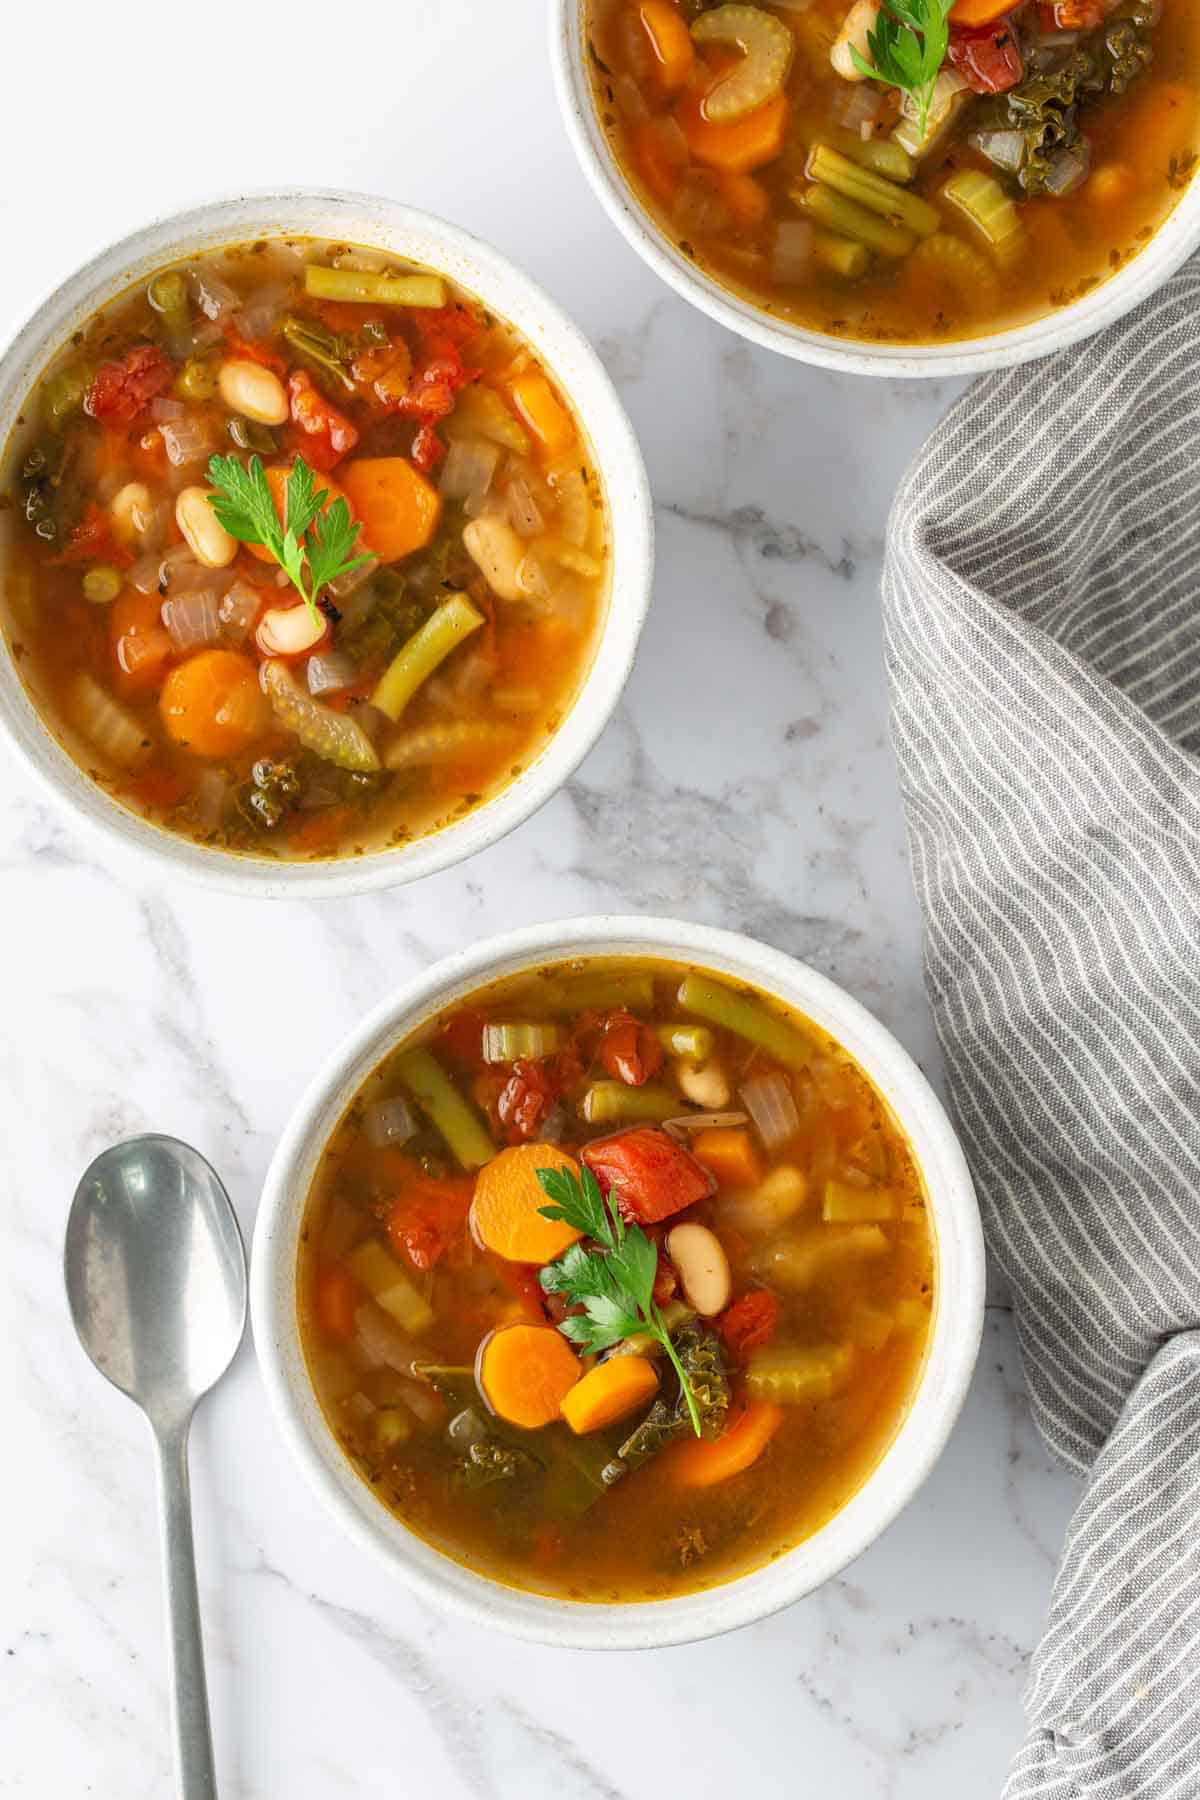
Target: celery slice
{"x": 800, "y": 1376}
{"x": 847, "y": 219}
{"x": 843, "y": 1204}
{"x": 866, "y": 188}
{"x": 767, "y": 48}
{"x": 505, "y": 1043}
{"x": 981, "y": 200}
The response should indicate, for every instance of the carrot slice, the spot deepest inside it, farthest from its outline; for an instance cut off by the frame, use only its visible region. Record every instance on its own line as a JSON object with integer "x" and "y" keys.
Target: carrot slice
{"x": 747, "y": 199}
{"x": 670, "y": 43}
{"x": 978, "y": 12}
{"x": 525, "y": 1372}
{"x": 505, "y": 1215}
{"x": 699, "y": 1463}
{"x": 336, "y": 1296}
{"x": 212, "y": 704}
{"x": 140, "y": 644}
{"x": 398, "y": 508}
{"x": 743, "y": 144}
{"x": 609, "y": 1391}
{"x": 729, "y": 1154}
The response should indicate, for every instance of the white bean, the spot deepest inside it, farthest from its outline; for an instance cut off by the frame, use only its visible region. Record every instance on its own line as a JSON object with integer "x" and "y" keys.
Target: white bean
{"x": 704, "y": 1084}
{"x": 861, "y": 19}
{"x": 495, "y": 547}
{"x": 130, "y": 511}
{"x": 702, "y": 1267}
{"x": 207, "y": 538}
{"x": 247, "y": 388}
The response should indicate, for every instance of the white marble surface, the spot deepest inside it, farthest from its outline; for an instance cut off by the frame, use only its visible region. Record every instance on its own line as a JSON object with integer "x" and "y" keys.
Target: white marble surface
{"x": 130, "y": 1005}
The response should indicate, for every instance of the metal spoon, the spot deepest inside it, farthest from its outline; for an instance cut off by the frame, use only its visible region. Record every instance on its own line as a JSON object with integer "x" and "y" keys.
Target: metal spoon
{"x": 156, "y": 1279}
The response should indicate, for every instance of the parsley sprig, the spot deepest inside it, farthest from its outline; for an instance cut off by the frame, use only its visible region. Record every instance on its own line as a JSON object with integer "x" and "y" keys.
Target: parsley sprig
{"x": 311, "y": 546}
{"x": 615, "y": 1283}
{"x": 908, "y": 47}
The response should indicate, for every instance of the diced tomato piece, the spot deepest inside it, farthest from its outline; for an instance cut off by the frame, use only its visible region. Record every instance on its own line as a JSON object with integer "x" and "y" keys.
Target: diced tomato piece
{"x": 329, "y": 432}
{"x": 247, "y": 350}
{"x": 455, "y": 324}
{"x": 990, "y": 61}
{"x": 119, "y": 391}
{"x": 749, "y": 1322}
{"x": 336, "y": 1295}
{"x": 427, "y": 449}
{"x": 429, "y": 1216}
{"x": 647, "y": 1173}
{"x": 462, "y": 1037}
{"x": 525, "y": 1099}
{"x": 629, "y": 1050}
{"x": 521, "y": 1280}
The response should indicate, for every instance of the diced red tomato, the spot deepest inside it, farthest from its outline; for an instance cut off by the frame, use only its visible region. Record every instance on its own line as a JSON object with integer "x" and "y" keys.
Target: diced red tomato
{"x": 629, "y": 1050}
{"x": 666, "y": 1281}
{"x": 989, "y": 60}
{"x": 525, "y": 1099}
{"x": 429, "y": 1216}
{"x": 749, "y": 1323}
{"x": 647, "y": 1173}
{"x": 329, "y": 433}
{"x": 119, "y": 391}
{"x": 247, "y": 350}
{"x": 335, "y": 1300}
{"x": 92, "y": 541}
{"x": 427, "y": 449}
{"x": 462, "y": 1037}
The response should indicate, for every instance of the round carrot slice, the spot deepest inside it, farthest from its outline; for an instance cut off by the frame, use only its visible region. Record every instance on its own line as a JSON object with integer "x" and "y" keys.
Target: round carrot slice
{"x": 212, "y": 704}
{"x": 525, "y": 1372}
{"x": 609, "y": 1391}
{"x": 505, "y": 1215}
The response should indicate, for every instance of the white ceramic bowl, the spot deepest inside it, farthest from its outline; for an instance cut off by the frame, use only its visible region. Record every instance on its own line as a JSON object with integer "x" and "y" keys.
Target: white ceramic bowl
{"x": 384, "y": 225}
{"x": 914, "y": 1450}
{"x": 1170, "y": 246}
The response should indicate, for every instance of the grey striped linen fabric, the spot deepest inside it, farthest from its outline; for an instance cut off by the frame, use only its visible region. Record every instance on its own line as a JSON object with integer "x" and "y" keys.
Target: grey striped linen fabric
{"x": 1042, "y": 616}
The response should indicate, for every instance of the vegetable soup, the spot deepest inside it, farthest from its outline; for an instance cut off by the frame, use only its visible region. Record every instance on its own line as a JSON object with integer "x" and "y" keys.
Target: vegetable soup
{"x": 306, "y": 553}
{"x": 930, "y": 173}
{"x": 615, "y": 1281}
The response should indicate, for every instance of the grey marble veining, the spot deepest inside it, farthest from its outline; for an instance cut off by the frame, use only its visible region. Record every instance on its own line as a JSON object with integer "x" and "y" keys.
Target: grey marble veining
{"x": 746, "y": 780}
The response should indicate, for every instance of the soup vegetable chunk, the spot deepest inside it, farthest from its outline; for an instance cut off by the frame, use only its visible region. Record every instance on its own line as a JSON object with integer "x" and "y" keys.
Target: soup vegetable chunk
{"x": 615, "y": 1283}
{"x": 929, "y": 170}
{"x": 306, "y": 554}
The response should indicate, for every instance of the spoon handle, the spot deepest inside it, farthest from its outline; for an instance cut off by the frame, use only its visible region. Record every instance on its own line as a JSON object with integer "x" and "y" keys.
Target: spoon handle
{"x": 189, "y": 1690}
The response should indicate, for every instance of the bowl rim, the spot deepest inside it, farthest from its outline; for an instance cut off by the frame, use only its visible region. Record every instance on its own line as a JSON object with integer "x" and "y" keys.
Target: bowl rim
{"x": 902, "y": 1467}
{"x": 253, "y": 212}
{"x": 1174, "y": 241}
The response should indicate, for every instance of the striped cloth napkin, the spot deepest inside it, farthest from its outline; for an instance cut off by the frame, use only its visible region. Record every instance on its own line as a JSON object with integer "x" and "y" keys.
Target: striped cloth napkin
{"x": 1042, "y": 613}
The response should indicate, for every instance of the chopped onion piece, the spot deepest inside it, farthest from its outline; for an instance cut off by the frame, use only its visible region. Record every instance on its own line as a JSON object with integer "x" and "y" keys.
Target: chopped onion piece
{"x": 772, "y": 1107}
{"x": 1068, "y": 170}
{"x": 146, "y": 573}
{"x": 383, "y": 1343}
{"x": 352, "y": 580}
{"x": 330, "y": 671}
{"x": 239, "y": 609}
{"x": 389, "y": 1122}
{"x": 212, "y": 791}
{"x": 193, "y": 618}
{"x": 186, "y": 439}
{"x": 162, "y": 410}
{"x": 523, "y": 510}
{"x": 212, "y": 295}
{"x": 1006, "y": 149}
{"x": 703, "y": 1121}
{"x": 468, "y": 470}
{"x": 791, "y": 256}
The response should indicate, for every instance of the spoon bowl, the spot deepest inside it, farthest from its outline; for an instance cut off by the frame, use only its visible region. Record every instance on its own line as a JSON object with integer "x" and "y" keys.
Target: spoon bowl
{"x": 156, "y": 1281}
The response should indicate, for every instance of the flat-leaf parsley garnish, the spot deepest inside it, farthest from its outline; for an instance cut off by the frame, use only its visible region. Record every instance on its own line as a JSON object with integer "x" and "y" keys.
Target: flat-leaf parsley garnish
{"x": 311, "y": 546}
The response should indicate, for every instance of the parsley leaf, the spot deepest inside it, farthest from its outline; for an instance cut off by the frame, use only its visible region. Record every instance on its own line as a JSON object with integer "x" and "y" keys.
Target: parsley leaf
{"x": 308, "y": 540}
{"x": 908, "y": 47}
{"x": 614, "y": 1284}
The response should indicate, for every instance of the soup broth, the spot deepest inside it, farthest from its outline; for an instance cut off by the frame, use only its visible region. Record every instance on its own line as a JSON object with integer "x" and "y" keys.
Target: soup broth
{"x": 196, "y": 673}
{"x": 441, "y": 1312}
{"x": 1054, "y": 142}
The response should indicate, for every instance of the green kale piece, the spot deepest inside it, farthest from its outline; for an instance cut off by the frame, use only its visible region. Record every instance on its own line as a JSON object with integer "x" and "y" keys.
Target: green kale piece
{"x": 699, "y": 1351}
{"x": 490, "y": 1461}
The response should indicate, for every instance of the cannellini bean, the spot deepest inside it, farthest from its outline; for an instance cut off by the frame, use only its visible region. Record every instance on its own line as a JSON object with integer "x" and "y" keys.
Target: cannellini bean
{"x": 207, "y": 538}
{"x": 495, "y": 547}
{"x": 290, "y": 630}
{"x": 702, "y": 1267}
{"x": 704, "y": 1084}
{"x": 247, "y": 388}
{"x": 130, "y": 511}
{"x": 862, "y": 18}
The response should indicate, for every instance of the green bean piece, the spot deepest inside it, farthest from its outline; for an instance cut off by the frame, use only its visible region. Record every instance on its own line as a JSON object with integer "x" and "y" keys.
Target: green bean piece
{"x": 364, "y": 286}
{"x": 247, "y": 434}
{"x": 847, "y": 219}
{"x": 445, "y": 1108}
{"x": 693, "y": 1041}
{"x": 415, "y": 661}
{"x": 318, "y": 347}
{"x": 607, "y": 1102}
{"x": 747, "y": 1017}
{"x": 197, "y": 380}
{"x": 869, "y": 190}
{"x": 840, "y": 256}
{"x": 64, "y": 393}
{"x": 884, "y": 155}
{"x": 101, "y": 584}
